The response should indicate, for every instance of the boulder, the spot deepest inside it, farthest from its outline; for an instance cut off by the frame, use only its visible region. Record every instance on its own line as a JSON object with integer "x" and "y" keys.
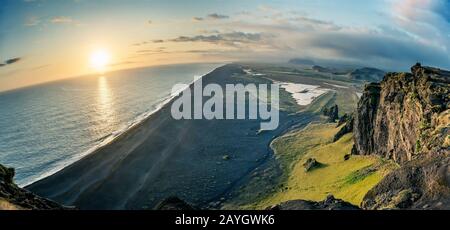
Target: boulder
{"x": 311, "y": 164}
{"x": 330, "y": 203}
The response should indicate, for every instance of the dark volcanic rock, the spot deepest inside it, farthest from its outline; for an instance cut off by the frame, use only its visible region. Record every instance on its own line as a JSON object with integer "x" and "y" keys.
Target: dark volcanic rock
{"x": 13, "y": 197}
{"x": 404, "y": 116}
{"x": 347, "y": 128}
{"x": 363, "y": 127}
{"x": 311, "y": 164}
{"x": 344, "y": 119}
{"x": 174, "y": 203}
{"x": 419, "y": 184}
{"x": 347, "y": 157}
{"x": 332, "y": 113}
{"x": 330, "y": 203}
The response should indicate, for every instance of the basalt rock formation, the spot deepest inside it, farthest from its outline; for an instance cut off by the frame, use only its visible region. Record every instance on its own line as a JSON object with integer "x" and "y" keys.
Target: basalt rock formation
{"x": 406, "y": 118}
{"x": 332, "y": 113}
{"x": 14, "y": 198}
{"x": 348, "y": 121}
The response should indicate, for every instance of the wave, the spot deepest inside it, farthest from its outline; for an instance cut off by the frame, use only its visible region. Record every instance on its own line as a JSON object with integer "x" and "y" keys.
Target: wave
{"x": 109, "y": 138}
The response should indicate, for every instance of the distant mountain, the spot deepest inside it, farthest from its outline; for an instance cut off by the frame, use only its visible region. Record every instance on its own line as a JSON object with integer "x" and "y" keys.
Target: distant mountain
{"x": 331, "y": 70}
{"x": 367, "y": 74}
{"x": 302, "y": 61}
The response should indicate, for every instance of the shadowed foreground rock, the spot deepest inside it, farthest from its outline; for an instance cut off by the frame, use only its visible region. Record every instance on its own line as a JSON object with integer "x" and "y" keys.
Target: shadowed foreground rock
{"x": 174, "y": 203}
{"x": 330, "y": 203}
{"x": 423, "y": 184}
{"x": 14, "y": 198}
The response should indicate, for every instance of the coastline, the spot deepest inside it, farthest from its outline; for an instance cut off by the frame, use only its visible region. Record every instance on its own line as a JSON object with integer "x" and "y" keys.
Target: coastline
{"x": 161, "y": 157}
{"x": 115, "y": 136}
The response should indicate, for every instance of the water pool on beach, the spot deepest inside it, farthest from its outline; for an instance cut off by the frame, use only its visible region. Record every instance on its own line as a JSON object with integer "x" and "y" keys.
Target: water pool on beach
{"x": 47, "y": 127}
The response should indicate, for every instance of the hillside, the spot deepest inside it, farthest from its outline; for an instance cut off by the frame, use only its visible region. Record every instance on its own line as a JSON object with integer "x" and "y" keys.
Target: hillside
{"x": 348, "y": 179}
{"x": 14, "y": 198}
{"x": 403, "y": 120}
{"x": 367, "y": 74}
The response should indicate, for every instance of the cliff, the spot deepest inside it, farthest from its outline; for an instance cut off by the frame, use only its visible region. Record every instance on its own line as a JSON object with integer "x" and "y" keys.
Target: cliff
{"x": 14, "y": 198}
{"x": 405, "y": 118}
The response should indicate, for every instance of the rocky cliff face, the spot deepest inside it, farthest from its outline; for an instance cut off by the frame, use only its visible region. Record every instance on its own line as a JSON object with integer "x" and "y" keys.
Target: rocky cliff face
{"x": 418, "y": 184}
{"x": 404, "y": 116}
{"x": 15, "y": 198}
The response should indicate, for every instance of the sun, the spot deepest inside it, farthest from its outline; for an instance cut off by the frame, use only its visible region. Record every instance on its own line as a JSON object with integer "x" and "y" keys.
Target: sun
{"x": 99, "y": 60}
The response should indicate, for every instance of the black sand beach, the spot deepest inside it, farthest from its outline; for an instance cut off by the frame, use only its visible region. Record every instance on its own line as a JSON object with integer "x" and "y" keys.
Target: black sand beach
{"x": 200, "y": 161}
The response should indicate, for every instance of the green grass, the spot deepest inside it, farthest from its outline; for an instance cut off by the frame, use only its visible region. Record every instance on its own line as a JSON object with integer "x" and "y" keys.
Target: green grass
{"x": 348, "y": 180}
{"x": 324, "y": 101}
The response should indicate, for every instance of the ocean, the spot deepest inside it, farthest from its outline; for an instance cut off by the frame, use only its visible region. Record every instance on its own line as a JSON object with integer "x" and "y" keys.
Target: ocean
{"x": 46, "y": 127}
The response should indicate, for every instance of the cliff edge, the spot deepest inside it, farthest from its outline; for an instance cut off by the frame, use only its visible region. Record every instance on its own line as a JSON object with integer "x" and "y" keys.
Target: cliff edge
{"x": 14, "y": 198}
{"x": 406, "y": 118}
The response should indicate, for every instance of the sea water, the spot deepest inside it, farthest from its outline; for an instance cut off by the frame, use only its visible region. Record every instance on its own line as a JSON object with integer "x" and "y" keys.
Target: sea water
{"x": 46, "y": 127}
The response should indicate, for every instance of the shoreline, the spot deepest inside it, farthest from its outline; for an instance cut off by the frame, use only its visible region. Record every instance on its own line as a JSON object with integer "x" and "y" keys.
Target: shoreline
{"x": 116, "y": 135}
{"x": 165, "y": 157}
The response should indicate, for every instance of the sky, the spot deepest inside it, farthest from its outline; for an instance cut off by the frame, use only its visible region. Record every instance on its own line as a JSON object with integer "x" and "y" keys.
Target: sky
{"x": 46, "y": 40}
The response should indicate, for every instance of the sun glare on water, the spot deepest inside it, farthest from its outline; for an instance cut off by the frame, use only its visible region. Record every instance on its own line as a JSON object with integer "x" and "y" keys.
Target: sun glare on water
{"x": 99, "y": 60}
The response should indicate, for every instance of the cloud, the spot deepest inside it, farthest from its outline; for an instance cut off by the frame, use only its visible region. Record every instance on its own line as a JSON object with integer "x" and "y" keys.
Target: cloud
{"x": 32, "y": 21}
{"x": 377, "y": 49}
{"x": 213, "y": 16}
{"x": 315, "y": 23}
{"x": 10, "y": 61}
{"x": 234, "y": 39}
{"x": 157, "y": 50}
{"x": 40, "y": 67}
{"x": 61, "y": 20}
{"x": 139, "y": 43}
{"x": 216, "y": 16}
{"x": 197, "y": 19}
{"x": 427, "y": 20}
{"x": 122, "y": 63}
{"x": 158, "y": 41}
{"x": 149, "y": 22}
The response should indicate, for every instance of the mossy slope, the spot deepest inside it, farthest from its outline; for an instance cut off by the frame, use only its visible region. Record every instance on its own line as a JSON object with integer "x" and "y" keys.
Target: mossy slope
{"x": 348, "y": 180}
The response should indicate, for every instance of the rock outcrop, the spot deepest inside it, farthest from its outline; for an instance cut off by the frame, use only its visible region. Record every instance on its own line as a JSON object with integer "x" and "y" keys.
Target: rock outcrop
{"x": 419, "y": 184}
{"x": 174, "y": 203}
{"x": 311, "y": 164}
{"x": 348, "y": 120}
{"x": 406, "y": 118}
{"x": 330, "y": 203}
{"x": 332, "y": 113}
{"x": 13, "y": 197}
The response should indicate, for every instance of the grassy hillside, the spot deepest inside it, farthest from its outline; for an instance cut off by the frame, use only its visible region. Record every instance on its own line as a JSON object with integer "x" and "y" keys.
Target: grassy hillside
{"x": 348, "y": 180}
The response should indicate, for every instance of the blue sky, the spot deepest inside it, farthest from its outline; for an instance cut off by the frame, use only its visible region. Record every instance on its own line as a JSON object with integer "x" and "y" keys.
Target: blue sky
{"x": 43, "y": 40}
